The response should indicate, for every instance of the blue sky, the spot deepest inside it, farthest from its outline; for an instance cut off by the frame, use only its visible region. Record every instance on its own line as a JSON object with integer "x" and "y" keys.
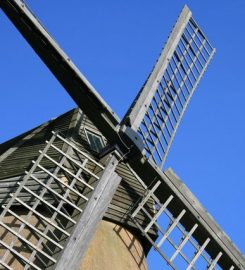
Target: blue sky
{"x": 115, "y": 44}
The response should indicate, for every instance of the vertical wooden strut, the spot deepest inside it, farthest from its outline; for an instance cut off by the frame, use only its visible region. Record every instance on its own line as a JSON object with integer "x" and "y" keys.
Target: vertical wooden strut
{"x": 78, "y": 243}
{"x": 66, "y": 203}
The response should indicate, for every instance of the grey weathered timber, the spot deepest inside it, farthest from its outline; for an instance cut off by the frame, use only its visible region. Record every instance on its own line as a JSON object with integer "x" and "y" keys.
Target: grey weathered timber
{"x": 82, "y": 92}
{"x": 195, "y": 214}
{"x": 176, "y": 78}
{"x": 157, "y": 111}
{"x": 18, "y": 153}
{"x": 92, "y": 215}
{"x": 75, "y": 122}
{"x": 140, "y": 105}
{"x": 22, "y": 141}
{"x": 65, "y": 186}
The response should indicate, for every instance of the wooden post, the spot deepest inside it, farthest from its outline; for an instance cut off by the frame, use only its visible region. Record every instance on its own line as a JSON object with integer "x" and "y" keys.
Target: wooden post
{"x": 79, "y": 240}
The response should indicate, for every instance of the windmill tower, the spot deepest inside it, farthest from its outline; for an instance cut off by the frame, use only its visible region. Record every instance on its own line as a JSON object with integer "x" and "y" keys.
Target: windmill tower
{"x": 87, "y": 186}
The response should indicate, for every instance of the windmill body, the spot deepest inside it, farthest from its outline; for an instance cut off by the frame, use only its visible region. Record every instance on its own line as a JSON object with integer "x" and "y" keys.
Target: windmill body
{"x": 74, "y": 126}
{"x": 87, "y": 181}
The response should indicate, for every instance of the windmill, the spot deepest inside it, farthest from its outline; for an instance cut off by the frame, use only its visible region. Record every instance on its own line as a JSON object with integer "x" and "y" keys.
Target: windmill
{"x": 76, "y": 187}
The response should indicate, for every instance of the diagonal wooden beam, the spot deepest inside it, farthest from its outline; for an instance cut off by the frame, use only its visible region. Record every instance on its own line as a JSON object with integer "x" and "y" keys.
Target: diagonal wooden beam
{"x": 77, "y": 86}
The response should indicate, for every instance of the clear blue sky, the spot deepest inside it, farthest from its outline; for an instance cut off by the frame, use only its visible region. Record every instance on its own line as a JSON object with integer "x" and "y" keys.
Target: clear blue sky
{"x": 115, "y": 44}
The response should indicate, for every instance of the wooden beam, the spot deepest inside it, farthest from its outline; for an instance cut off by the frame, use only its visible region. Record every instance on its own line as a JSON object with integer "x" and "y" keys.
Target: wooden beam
{"x": 195, "y": 212}
{"x": 77, "y": 86}
{"x": 78, "y": 243}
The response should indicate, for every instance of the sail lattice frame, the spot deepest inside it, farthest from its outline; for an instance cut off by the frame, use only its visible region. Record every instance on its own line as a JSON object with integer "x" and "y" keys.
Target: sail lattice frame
{"x": 70, "y": 77}
{"x": 177, "y": 244}
{"x": 158, "y": 109}
{"x": 52, "y": 197}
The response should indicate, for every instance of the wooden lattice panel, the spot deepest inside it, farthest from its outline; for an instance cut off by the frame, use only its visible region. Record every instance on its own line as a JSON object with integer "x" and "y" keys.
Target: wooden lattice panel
{"x": 157, "y": 111}
{"x": 177, "y": 244}
{"x": 34, "y": 232}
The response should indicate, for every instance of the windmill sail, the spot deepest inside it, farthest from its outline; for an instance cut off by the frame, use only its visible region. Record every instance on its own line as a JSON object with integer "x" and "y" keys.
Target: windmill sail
{"x": 155, "y": 116}
{"x": 157, "y": 110}
{"x": 188, "y": 237}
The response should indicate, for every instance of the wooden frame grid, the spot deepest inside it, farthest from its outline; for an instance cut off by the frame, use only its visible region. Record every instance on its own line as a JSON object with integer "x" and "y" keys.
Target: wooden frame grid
{"x": 174, "y": 90}
{"x": 61, "y": 195}
{"x": 156, "y": 114}
{"x": 175, "y": 243}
